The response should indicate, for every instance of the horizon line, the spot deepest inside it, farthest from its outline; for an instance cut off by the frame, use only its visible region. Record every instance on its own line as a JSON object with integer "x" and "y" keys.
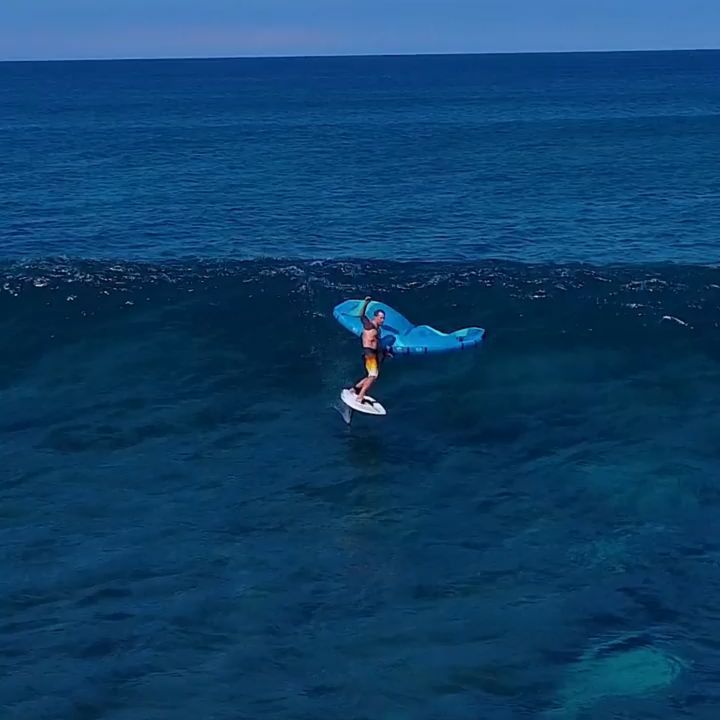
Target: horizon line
{"x": 292, "y": 56}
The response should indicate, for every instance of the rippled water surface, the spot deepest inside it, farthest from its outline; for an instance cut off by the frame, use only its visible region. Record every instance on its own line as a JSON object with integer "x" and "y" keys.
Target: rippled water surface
{"x": 187, "y": 527}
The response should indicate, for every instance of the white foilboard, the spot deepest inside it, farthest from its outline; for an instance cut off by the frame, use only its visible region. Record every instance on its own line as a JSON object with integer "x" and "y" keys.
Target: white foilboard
{"x": 369, "y": 406}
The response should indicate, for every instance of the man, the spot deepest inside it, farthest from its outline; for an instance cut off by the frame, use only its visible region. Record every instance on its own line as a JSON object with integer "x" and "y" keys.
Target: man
{"x": 372, "y": 352}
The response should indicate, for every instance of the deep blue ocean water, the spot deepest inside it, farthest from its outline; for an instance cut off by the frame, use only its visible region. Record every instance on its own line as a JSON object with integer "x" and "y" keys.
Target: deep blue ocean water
{"x": 187, "y": 527}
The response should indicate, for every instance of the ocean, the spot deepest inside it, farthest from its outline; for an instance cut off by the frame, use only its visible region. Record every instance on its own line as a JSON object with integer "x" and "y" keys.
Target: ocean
{"x": 188, "y": 529}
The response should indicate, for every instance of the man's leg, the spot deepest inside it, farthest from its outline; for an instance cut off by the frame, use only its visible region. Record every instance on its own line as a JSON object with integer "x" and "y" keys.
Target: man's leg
{"x": 356, "y": 387}
{"x": 371, "y": 366}
{"x": 360, "y": 384}
{"x": 365, "y": 387}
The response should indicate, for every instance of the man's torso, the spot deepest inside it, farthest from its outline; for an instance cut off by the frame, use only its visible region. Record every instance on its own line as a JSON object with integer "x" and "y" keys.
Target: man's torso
{"x": 370, "y": 339}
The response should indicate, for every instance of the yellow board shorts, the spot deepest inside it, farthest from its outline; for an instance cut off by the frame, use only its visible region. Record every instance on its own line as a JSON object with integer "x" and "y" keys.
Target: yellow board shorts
{"x": 371, "y": 363}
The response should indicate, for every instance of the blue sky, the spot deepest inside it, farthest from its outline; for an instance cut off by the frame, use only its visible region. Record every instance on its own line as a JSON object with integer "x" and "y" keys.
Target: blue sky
{"x": 48, "y": 29}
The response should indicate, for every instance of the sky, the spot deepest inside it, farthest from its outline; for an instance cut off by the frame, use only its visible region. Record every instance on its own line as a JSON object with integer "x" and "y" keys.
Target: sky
{"x": 80, "y": 29}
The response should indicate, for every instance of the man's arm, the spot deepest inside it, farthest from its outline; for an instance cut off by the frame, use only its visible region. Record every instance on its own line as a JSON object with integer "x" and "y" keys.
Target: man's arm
{"x": 363, "y": 317}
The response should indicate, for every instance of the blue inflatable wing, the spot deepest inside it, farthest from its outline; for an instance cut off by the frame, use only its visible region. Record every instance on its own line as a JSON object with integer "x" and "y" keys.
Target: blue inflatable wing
{"x": 401, "y": 336}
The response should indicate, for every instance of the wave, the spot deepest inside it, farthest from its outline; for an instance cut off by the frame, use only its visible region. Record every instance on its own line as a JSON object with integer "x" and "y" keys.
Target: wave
{"x": 276, "y": 316}
{"x": 451, "y": 293}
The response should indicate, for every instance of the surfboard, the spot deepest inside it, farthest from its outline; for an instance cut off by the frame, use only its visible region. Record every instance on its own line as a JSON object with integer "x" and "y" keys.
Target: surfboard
{"x": 370, "y": 406}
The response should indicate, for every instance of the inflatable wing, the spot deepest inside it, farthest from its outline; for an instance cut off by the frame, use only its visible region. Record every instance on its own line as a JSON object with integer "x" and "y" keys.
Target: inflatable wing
{"x": 401, "y": 336}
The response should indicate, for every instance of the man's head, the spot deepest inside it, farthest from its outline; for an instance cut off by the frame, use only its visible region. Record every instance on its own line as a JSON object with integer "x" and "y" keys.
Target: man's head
{"x": 379, "y": 318}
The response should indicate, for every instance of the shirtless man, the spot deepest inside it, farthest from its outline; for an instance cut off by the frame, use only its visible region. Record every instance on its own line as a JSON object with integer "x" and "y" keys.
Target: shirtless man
{"x": 371, "y": 349}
